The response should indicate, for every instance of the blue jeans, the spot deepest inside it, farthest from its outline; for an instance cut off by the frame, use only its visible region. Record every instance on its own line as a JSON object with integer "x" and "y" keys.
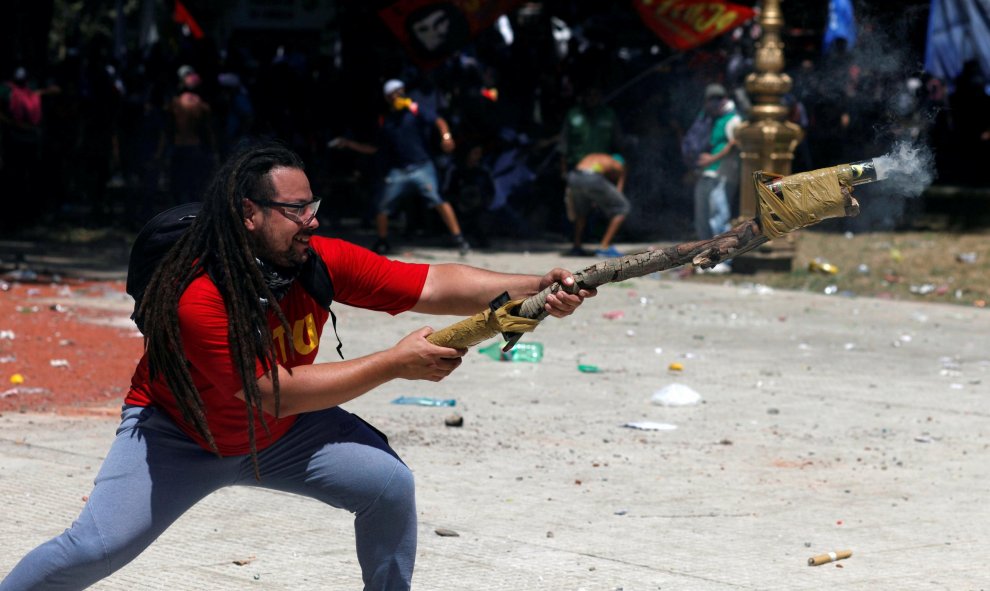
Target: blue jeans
{"x": 420, "y": 179}
{"x": 153, "y": 473}
{"x": 711, "y": 207}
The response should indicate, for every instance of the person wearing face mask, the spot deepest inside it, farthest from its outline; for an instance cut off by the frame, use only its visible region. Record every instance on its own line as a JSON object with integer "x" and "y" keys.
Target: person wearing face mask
{"x": 403, "y": 147}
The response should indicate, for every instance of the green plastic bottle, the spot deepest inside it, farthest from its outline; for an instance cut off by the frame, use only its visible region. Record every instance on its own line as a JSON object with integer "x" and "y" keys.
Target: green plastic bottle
{"x": 522, "y": 352}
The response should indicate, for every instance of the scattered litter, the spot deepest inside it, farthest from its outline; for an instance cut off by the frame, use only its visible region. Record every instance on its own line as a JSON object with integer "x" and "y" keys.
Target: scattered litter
{"x": 59, "y": 363}
{"x": 446, "y": 533}
{"x": 924, "y": 439}
{"x": 424, "y": 401}
{"x": 830, "y": 557}
{"x": 849, "y": 346}
{"x": 525, "y": 352}
{"x": 621, "y": 512}
{"x": 6, "y": 334}
{"x": 923, "y": 289}
{"x": 675, "y": 366}
{"x": 630, "y": 333}
{"x": 675, "y": 395}
{"x": 614, "y": 315}
{"x": 27, "y": 309}
{"x": 588, "y": 368}
{"x": 658, "y": 350}
{"x": 755, "y": 288}
{"x": 831, "y": 289}
{"x": 650, "y": 426}
{"x": 8, "y": 359}
{"x": 23, "y": 275}
{"x": 966, "y": 257}
{"x": 820, "y": 265}
{"x": 22, "y": 391}
{"x": 16, "y": 379}
{"x": 244, "y": 561}
{"x": 454, "y": 420}
{"x": 58, "y": 308}
{"x": 863, "y": 269}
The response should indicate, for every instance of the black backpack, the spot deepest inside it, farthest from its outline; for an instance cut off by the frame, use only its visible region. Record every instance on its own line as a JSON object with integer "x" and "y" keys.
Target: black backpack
{"x": 160, "y": 234}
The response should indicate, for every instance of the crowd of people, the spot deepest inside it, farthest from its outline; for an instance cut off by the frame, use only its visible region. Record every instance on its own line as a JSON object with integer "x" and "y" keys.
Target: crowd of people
{"x": 93, "y": 137}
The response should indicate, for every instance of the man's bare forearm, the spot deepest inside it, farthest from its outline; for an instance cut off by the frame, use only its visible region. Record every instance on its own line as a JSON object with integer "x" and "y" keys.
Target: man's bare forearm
{"x": 462, "y": 290}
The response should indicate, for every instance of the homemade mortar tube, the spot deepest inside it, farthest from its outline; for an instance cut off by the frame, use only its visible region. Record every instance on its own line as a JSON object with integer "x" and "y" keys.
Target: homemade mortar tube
{"x": 830, "y": 557}
{"x": 785, "y": 204}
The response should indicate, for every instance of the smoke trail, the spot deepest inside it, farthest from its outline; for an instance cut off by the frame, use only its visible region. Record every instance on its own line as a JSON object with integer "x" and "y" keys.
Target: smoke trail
{"x": 907, "y": 170}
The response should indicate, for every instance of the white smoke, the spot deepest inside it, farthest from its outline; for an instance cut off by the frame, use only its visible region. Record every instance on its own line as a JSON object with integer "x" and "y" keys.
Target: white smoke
{"x": 906, "y": 171}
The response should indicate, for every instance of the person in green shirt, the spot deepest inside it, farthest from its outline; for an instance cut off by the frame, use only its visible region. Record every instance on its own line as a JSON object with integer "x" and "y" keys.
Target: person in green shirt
{"x": 718, "y": 170}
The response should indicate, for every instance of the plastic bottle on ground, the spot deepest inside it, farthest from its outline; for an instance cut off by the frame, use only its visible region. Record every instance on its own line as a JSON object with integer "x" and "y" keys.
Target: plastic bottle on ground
{"x": 521, "y": 352}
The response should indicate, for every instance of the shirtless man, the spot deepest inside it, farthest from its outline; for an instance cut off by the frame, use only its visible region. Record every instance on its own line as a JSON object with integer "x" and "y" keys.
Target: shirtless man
{"x": 597, "y": 180}
{"x": 192, "y": 141}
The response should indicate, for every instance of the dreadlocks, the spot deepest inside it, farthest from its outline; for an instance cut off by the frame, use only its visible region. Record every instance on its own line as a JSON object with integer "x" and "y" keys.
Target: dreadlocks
{"x": 217, "y": 243}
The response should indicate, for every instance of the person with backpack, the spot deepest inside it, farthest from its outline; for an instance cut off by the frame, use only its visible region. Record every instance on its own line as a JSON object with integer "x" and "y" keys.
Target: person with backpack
{"x": 717, "y": 165}
{"x": 228, "y": 391}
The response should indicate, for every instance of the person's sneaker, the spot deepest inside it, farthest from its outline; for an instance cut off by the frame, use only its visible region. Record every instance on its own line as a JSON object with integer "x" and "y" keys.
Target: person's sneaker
{"x": 577, "y": 251}
{"x": 463, "y": 248}
{"x": 382, "y": 247}
{"x": 608, "y": 253}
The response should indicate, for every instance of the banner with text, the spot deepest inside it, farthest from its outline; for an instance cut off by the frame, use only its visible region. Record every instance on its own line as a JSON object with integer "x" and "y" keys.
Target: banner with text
{"x": 684, "y": 24}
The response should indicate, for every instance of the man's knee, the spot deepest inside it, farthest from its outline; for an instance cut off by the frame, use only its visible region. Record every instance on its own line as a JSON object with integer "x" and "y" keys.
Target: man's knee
{"x": 401, "y": 487}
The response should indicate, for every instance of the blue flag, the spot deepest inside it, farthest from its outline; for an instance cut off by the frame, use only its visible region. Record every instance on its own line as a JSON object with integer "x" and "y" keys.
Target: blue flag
{"x": 841, "y": 24}
{"x": 958, "y": 31}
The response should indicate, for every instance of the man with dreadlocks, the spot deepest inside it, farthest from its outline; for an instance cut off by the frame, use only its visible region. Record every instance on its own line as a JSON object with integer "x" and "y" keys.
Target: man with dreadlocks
{"x": 228, "y": 392}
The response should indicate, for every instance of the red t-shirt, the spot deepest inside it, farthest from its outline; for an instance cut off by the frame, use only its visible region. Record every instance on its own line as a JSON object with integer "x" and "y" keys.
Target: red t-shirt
{"x": 360, "y": 277}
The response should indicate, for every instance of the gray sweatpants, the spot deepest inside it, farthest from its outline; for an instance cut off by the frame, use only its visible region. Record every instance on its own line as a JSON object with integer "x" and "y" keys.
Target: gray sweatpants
{"x": 154, "y": 472}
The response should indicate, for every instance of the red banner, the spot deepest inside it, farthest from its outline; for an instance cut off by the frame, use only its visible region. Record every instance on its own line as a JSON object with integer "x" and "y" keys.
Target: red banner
{"x": 431, "y": 30}
{"x": 684, "y": 24}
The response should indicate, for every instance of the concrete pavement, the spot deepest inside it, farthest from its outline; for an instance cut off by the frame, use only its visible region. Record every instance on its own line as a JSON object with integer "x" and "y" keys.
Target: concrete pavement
{"x": 826, "y": 423}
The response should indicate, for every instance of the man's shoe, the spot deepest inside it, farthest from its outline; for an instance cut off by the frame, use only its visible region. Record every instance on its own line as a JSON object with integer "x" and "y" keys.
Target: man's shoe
{"x": 608, "y": 253}
{"x": 382, "y": 247}
{"x": 577, "y": 251}
{"x": 463, "y": 248}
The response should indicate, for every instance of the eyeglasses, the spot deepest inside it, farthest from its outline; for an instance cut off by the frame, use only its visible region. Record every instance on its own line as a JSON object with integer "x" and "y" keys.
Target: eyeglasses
{"x": 300, "y": 213}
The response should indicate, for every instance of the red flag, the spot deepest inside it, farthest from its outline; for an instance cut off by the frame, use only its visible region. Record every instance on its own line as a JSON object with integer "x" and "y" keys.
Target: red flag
{"x": 431, "y": 30}
{"x": 182, "y": 16}
{"x": 684, "y": 24}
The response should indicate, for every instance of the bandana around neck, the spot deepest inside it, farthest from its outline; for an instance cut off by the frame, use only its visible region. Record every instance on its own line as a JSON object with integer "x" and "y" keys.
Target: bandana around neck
{"x": 278, "y": 279}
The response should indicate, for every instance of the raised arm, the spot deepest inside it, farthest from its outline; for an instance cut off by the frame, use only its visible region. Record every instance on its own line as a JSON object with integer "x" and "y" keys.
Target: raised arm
{"x": 349, "y": 144}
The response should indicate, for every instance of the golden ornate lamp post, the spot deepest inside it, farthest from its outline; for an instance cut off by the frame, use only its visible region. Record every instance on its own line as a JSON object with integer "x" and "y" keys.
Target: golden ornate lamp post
{"x": 766, "y": 140}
